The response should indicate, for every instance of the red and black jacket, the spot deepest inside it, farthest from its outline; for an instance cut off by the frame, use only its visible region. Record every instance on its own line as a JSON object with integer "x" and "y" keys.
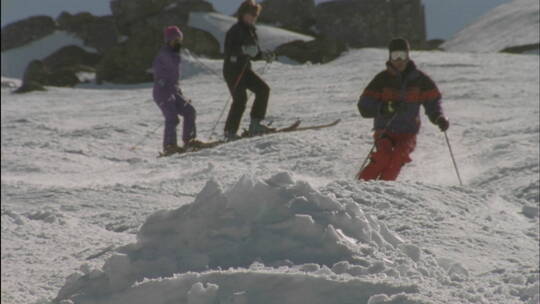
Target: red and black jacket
{"x": 413, "y": 87}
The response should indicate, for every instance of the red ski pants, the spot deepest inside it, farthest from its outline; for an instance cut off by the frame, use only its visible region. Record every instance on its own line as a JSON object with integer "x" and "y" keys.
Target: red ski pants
{"x": 392, "y": 152}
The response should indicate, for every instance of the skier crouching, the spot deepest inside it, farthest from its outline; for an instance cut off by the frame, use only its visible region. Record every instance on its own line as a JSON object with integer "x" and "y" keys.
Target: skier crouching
{"x": 168, "y": 95}
{"x": 241, "y": 46}
{"x": 393, "y": 98}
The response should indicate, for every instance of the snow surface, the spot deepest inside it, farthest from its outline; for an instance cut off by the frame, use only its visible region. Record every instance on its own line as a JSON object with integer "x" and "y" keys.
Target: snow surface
{"x": 15, "y": 61}
{"x": 74, "y": 196}
{"x": 218, "y": 24}
{"x": 511, "y": 24}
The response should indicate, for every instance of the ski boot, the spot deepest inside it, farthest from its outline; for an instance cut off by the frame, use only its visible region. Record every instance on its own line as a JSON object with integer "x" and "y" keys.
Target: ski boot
{"x": 256, "y": 128}
{"x": 172, "y": 149}
{"x": 231, "y": 136}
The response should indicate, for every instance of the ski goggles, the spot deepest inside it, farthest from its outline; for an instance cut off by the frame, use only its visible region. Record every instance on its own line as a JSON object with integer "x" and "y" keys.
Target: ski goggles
{"x": 399, "y": 55}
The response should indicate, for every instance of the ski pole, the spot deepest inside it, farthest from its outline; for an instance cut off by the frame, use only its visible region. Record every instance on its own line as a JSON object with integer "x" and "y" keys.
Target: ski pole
{"x": 213, "y": 130}
{"x": 206, "y": 67}
{"x": 364, "y": 164}
{"x": 453, "y": 159}
{"x": 144, "y": 138}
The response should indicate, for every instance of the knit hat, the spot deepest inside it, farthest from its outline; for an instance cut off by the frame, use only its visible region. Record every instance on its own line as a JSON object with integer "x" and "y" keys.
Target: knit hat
{"x": 399, "y": 44}
{"x": 249, "y": 7}
{"x": 172, "y": 32}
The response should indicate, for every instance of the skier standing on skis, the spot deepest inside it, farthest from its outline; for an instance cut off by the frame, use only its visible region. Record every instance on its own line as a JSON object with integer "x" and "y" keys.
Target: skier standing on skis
{"x": 168, "y": 95}
{"x": 242, "y": 46}
{"x": 393, "y": 98}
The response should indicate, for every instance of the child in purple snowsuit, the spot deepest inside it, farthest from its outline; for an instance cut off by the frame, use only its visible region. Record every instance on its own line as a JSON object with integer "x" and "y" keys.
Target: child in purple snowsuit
{"x": 168, "y": 95}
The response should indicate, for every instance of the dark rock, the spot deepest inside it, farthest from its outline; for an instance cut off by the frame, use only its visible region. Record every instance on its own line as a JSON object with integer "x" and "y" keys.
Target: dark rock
{"x": 372, "y": 23}
{"x": 128, "y": 13}
{"x": 71, "y": 56}
{"x": 25, "y": 31}
{"x": 201, "y": 42}
{"x": 96, "y": 32}
{"x": 35, "y": 75}
{"x": 129, "y": 61}
{"x": 30, "y": 87}
{"x": 58, "y": 69}
{"x": 294, "y": 15}
{"x": 433, "y": 44}
{"x": 320, "y": 50}
{"x": 523, "y": 49}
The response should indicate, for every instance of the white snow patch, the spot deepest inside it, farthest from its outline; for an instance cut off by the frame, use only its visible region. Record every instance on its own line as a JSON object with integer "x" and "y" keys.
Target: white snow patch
{"x": 218, "y": 24}
{"x": 511, "y": 24}
{"x": 279, "y": 222}
{"x": 15, "y": 61}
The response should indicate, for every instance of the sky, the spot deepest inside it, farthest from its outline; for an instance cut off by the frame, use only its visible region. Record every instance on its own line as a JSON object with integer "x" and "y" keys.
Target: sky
{"x": 444, "y": 17}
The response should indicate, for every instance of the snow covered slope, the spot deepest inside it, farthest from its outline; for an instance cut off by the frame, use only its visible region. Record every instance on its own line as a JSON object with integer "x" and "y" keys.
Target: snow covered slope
{"x": 74, "y": 194}
{"x": 218, "y": 24}
{"x": 509, "y": 25}
{"x": 15, "y": 61}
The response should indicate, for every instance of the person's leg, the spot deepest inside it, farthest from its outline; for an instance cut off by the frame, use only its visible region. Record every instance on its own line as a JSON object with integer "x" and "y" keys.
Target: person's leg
{"x": 238, "y": 105}
{"x": 380, "y": 159}
{"x": 189, "y": 114}
{"x": 168, "y": 108}
{"x": 404, "y": 146}
{"x": 255, "y": 84}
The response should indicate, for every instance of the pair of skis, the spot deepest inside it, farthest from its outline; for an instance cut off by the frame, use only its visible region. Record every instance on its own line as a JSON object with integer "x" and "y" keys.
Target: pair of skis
{"x": 294, "y": 127}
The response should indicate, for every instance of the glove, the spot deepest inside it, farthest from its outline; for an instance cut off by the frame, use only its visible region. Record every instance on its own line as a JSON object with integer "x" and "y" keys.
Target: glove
{"x": 269, "y": 56}
{"x": 390, "y": 108}
{"x": 250, "y": 50}
{"x": 443, "y": 123}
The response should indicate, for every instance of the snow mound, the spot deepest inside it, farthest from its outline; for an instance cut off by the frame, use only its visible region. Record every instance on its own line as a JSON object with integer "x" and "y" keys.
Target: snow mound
{"x": 509, "y": 25}
{"x": 15, "y": 61}
{"x": 218, "y": 24}
{"x": 281, "y": 241}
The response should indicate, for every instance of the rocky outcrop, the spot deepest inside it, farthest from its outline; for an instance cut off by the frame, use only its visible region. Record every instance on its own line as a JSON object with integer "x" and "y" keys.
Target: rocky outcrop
{"x": 131, "y": 14}
{"x": 143, "y": 22}
{"x": 533, "y": 48}
{"x": 316, "y": 51}
{"x": 294, "y": 15}
{"x": 58, "y": 69}
{"x": 71, "y": 56}
{"x": 19, "y": 33}
{"x": 99, "y": 33}
{"x": 372, "y": 23}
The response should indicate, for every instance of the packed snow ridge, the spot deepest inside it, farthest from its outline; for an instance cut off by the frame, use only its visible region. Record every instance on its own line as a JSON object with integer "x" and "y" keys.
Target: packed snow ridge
{"x": 512, "y": 24}
{"x": 281, "y": 241}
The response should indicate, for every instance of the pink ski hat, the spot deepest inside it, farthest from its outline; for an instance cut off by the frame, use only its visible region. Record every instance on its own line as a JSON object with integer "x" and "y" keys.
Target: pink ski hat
{"x": 172, "y": 32}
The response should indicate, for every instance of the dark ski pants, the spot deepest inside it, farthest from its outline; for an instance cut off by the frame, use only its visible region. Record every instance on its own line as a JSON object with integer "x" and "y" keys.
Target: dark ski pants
{"x": 254, "y": 83}
{"x": 171, "y": 109}
{"x": 392, "y": 153}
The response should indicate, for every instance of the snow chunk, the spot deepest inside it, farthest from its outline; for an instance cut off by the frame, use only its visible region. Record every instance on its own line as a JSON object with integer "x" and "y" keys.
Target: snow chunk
{"x": 254, "y": 223}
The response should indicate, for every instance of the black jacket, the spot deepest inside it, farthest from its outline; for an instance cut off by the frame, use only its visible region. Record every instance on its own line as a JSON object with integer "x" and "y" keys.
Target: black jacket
{"x": 239, "y": 35}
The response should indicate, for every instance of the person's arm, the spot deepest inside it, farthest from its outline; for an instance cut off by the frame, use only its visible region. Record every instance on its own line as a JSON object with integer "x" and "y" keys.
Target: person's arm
{"x": 432, "y": 97}
{"x": 234, "y": 47}
{"x": 164, "y": 75}
{"x": 369, "y": 104}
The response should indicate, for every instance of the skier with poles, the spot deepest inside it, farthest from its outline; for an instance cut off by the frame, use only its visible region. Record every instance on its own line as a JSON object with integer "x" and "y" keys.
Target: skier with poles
{"x": 168, "y": 95}
{"x": 393, "y": 98}
{"x": 242, "y": 46}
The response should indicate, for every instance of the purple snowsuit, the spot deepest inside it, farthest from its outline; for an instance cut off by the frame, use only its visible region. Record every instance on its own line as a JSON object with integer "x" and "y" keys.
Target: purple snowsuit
{"x": 168, "y": 96}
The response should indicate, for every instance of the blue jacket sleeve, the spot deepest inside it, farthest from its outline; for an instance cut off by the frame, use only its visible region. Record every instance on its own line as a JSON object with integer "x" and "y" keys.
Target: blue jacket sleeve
{"x": 369, "y": 104}
{"x": 431, "y": 97}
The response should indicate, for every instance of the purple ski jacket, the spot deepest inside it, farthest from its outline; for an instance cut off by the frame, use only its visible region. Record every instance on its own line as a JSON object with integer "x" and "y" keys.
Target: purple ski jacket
{"x": 166, "y": 68}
